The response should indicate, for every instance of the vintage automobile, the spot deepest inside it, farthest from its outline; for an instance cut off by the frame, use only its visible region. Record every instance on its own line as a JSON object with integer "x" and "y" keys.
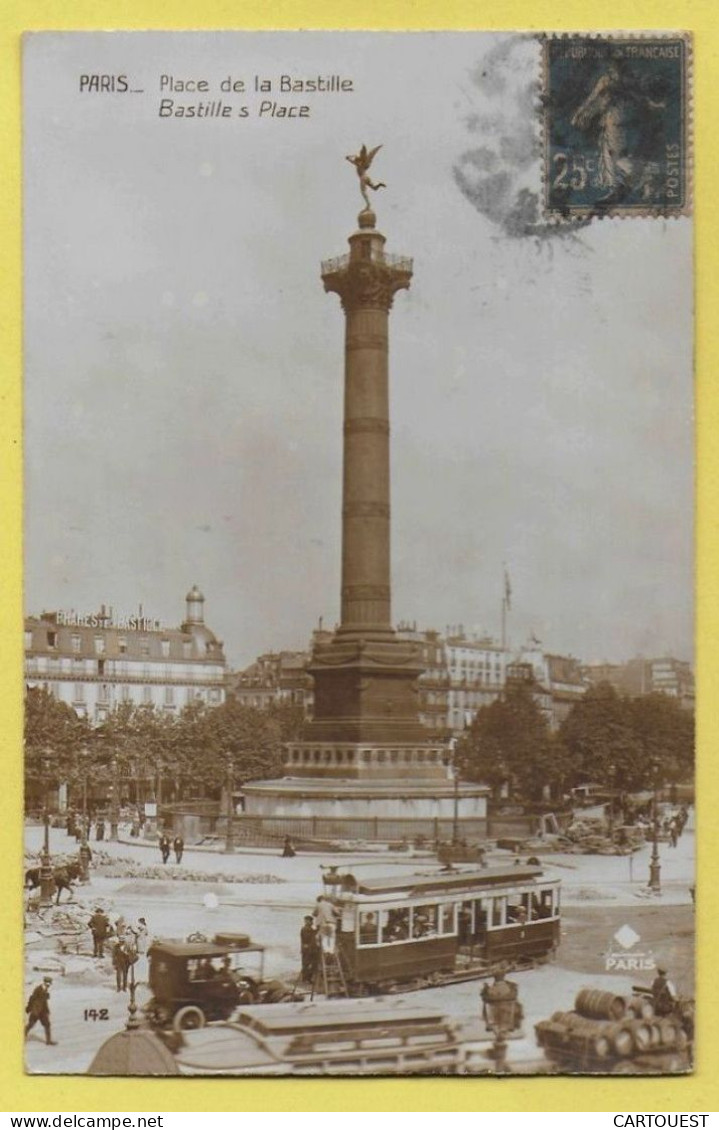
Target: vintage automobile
{"x": 197, "y": 981}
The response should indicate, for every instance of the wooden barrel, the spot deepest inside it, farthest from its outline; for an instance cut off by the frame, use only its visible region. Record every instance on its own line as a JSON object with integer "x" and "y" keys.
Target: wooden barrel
{"x": 593, "y": 1044}
{"x": 550, "y": 1035}
{"x": 622, "y": 1039}
{"x": 598, "y": 1005}
{"x": 641, "y": 1007}
{"x": 642, "y": 1035}
{"x": 570, "y": 1019}
{"x": 655, "y": 1032}
{"x": 669, "y": 1031}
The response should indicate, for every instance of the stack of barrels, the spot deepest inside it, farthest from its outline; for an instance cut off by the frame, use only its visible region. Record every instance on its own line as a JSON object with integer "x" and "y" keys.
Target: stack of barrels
{"x": 605, "y": 1027}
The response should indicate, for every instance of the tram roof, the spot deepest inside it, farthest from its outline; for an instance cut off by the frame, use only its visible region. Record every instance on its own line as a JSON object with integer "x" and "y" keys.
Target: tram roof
{"x": 445, "y": 880}
{"x": 290, "y": 1017}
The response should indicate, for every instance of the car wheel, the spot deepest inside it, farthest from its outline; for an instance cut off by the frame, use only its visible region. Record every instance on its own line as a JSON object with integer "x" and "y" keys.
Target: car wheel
{"x": 188, "y": 1018}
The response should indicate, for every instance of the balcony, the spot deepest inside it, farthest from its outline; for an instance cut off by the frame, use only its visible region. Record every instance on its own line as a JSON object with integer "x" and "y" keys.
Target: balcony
{"x": 341, "y": 262}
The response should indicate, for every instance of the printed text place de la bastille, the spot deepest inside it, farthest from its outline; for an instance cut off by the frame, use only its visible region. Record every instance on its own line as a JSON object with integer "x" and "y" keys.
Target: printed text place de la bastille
{"x": 263, "y": 96}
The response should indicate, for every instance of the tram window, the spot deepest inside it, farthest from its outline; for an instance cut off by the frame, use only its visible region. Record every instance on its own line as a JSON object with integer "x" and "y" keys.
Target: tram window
{"x": 446, "y": 912}
{"x": 368, "y": 928}
{"x": 424, "y": 921}
{"x": 518, "y": 909}
{"x": 465, "y": 923}
{"x": 556, "y": 900}
{"x": 481, "y": 914}
{"x": 395, "y": 924}
{"x": 498, "y": 905}
{"x": 542, "y": 904}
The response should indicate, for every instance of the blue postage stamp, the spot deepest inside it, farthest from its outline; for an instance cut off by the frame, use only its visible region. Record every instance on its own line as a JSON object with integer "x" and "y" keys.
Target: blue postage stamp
{"x": 616, "y": 125}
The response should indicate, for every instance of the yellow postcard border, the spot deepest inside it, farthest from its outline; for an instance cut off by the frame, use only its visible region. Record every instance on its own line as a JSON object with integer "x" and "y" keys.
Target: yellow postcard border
{"x": 699, "y": 1092}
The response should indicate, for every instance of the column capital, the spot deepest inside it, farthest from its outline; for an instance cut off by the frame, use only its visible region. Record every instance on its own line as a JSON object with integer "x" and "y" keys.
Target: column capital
{"x": 368, "y": 284}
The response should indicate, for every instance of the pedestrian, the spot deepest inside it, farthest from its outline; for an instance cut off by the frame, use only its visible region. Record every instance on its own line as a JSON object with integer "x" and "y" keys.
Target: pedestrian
{"x": 308, "y": 950}
{"x": 288, "y": 851}
{"x": 100, "y": 830}
{"x": 673, "y": 833}
{"x": 179, "y": 846}
{"x": 325, "y": 916}
{"x": 164, "y": 847}
{"x": 122, "y": 958}
{"x": 100, "y": 929}
{"x": 664, "y": 995}
{"x": 141, "y": 941}
{"x": 38, "y": 1008}
{"x": 85, "y": 855}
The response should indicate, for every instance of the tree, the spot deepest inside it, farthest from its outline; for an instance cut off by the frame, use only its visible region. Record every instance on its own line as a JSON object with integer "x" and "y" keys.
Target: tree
{"x": 53, "y": 734}
{"x": 599, "y": 734}
{"x": 616, "y": 741}
{"x": 665, "y": 731}
{"x": 508, "y": 743}
{"x": 248, "y": 737}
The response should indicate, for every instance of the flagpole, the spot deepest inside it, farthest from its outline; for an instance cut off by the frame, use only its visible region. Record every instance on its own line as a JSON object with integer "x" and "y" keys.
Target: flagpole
{"x": 506, "y": 605}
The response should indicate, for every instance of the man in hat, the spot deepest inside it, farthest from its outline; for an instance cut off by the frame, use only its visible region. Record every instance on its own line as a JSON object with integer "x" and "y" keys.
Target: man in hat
{"x": 664, "y": 994}
{"x": 308, "y": 950}
{"x": 100, "y": 929}
{"x": 123, "y": 956}
{"x": 38, "y": 1008}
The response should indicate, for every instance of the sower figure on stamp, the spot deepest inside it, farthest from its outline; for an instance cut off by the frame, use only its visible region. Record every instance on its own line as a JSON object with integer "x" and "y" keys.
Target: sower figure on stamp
{"x": 38, "y": 1008}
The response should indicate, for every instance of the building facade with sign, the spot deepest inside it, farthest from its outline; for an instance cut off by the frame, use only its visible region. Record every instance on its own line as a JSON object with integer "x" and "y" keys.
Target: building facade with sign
{"x": 97, "y": 662}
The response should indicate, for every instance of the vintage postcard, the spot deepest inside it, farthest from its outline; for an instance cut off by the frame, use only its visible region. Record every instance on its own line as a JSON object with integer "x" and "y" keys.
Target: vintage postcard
{"x": 358, "y": 640}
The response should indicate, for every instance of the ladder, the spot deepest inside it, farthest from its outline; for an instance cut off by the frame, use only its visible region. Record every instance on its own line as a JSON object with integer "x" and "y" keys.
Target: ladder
{"x": 329, "y": 976}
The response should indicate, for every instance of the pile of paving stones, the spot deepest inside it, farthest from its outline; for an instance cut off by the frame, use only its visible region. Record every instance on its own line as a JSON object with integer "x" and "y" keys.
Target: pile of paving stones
{"x": 590, "y": 837}
{"x": 132, "y": 869}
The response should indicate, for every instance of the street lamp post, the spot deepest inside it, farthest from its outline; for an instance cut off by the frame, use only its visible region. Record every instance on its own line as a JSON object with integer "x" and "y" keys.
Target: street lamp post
{"x": 114, "y": 803}
{"x": 655, "y": 883}
{"x": 47, "y": 882}
{"x": 230, "y": 833}
{"x": 612, "y": 778}
{"x": 84, "y": 852}
{"x": 455, "y": 818}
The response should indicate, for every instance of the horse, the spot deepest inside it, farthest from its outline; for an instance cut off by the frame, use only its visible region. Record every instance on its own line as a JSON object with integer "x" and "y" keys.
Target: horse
{"x": 63, "y": 878}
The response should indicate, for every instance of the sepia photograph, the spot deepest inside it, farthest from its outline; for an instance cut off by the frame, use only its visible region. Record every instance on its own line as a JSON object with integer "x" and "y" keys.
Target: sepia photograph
{"x": 358, "y": 533}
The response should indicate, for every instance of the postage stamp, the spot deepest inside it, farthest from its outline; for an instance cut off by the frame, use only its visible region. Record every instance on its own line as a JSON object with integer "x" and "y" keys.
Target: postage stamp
{"x": 616, "y": 125}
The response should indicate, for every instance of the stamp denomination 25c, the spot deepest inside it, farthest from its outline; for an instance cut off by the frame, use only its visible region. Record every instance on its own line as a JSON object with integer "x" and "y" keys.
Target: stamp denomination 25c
{"x": 616, "y": 125}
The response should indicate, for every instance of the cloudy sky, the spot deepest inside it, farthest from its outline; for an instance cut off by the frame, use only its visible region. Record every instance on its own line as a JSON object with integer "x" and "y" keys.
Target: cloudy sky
{"x": 183, "y": 394}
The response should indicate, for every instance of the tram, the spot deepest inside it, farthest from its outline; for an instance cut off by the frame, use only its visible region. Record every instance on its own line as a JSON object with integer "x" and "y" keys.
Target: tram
{"x": 447, "y": 926}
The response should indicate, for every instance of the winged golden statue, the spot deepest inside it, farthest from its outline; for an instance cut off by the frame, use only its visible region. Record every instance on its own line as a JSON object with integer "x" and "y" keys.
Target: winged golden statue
{"x": 362, "y": 162}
